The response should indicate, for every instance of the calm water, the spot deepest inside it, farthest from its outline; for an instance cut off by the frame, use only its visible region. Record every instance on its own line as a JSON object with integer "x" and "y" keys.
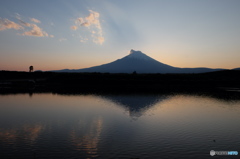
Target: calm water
{"x": 117, "y": 126}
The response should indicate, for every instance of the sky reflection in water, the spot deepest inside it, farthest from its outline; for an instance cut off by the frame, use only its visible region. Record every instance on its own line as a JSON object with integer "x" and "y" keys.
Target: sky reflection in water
{"x": 115, "y": 126}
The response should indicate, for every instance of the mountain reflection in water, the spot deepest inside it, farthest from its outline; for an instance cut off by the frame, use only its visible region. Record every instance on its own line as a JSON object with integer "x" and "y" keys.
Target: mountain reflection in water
{"x": 135, "y": 104}
{"x": 97, "y": 126}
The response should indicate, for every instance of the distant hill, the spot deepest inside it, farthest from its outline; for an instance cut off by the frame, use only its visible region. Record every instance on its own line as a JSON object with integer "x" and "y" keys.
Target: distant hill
{"x": 141, "y": 63}
{"x": 236, "y": 68}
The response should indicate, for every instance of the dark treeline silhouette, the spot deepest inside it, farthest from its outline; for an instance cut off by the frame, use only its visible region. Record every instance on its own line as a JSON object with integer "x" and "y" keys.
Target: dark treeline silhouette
{"x": 103, "y": 82}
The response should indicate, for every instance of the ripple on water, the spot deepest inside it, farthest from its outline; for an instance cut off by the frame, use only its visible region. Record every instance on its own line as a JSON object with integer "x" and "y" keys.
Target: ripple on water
{"x": 96, "y": 127}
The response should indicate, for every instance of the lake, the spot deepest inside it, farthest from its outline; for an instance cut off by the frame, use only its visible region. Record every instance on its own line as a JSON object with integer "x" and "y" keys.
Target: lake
{"x": 48, "y": 125}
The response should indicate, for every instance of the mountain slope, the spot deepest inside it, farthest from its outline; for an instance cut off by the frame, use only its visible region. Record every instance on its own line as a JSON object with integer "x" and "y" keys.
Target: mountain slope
{"x": 141, "y": 63}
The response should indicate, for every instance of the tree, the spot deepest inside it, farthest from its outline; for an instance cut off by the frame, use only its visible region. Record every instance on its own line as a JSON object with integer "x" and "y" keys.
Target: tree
{"x": 31, "y": 69}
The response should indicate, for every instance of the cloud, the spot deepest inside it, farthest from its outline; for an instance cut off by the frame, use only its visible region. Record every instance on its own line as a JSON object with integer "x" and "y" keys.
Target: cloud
{"x": 92, "y": 22}
{"x": 34, "y": 30}
{"x": 35, "y": 20}
{"x": 18, "y": 16}
{"x": 83, "y": 40}
{"x": 99, "y": 40}
{"x": 24, "y": 23}
{"x": 74, "y": 27}
{"x": 86, "y": 24}
{"x": 79, "y": 20}
{"x": 62, "y": 39}
{"x": 7, "y": 24}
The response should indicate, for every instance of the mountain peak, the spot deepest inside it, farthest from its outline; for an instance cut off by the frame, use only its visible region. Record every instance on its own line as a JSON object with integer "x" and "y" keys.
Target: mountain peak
{"x": 138, "y": 55}
{"x": 135, "y": 52}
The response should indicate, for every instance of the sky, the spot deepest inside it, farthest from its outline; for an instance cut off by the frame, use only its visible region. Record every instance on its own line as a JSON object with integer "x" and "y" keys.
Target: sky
{"x": 74, "y": 34}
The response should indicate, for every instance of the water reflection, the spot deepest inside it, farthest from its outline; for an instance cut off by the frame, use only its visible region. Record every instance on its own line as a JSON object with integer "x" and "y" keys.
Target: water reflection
{"x": 96, "y": 126}
{"x": 135, "y": 104}
{"x": 85, "y": 137}
{"x": 26, "y": 133}
{"x": 30, "y": 94}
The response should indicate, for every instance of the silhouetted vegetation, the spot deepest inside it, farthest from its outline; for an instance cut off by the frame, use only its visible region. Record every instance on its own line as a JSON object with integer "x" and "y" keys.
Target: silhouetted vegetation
{"x": 106, "y": 82}
{"x": 31, "y": 69}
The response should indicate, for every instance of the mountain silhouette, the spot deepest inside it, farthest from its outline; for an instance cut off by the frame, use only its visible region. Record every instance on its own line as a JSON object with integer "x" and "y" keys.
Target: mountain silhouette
{"x": 140, "y": 63}
{"x": 236, "y": 68}
{"x": 135, "y": 104}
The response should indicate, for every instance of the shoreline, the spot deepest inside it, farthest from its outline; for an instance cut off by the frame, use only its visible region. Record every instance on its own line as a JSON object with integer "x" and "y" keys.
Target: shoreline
{"x": 220, "y": 83}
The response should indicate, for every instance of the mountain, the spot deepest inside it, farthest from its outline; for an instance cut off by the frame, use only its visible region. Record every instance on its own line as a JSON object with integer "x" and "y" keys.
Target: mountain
{"x": 236, "y": 68}
{"x": 141, "y": 63}
{"x": 135, "y": 104}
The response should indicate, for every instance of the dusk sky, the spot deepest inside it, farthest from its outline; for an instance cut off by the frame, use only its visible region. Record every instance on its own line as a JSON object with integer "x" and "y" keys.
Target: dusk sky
{"x": 74, "y": 34}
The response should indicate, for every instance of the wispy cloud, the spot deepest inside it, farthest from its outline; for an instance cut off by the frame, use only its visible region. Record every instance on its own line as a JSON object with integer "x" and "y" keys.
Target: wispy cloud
{"x": 24, "y": 23}
{"x": 99, "y": 40}
{"x": 36, "y": 31}
{"x": 92, "y": 22}
{"x": 83, "y": 40}
{"x": 18, "y": 16}
{"x": 62, "y": 39}
{"x": 29, "y": 29}
{"x": 7, "y": 24}
{"x": 74, "y": 27}
{"x": 35, "y": 20}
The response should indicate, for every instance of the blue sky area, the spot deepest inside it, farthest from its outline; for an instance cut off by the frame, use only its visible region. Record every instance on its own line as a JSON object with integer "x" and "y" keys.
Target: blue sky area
{"x": 74, "y": 34}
